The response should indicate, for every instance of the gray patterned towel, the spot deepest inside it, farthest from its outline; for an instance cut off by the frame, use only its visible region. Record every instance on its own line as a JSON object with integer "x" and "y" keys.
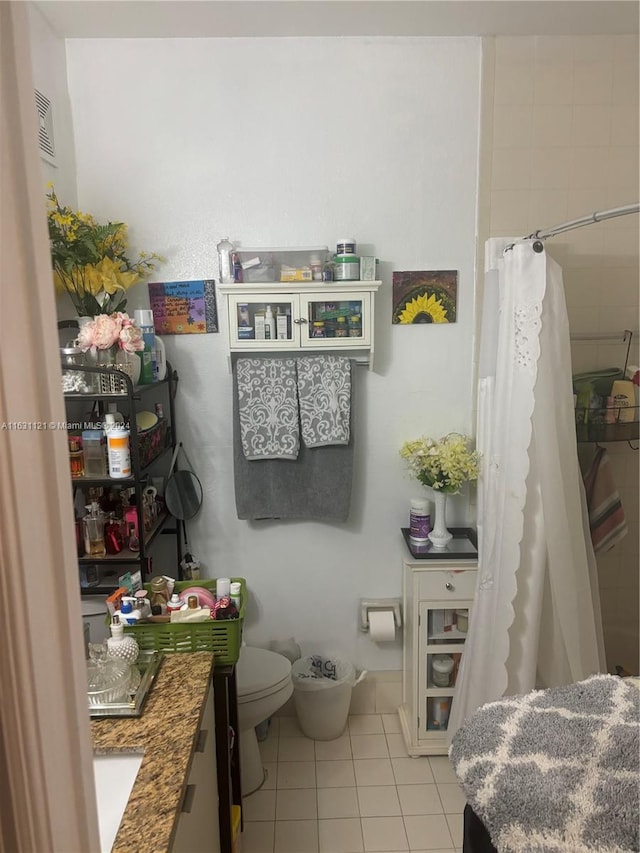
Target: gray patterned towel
{"x": 324, "y": 391}
{"x": 268, "y": 408}
{"x": 556, "y": 771}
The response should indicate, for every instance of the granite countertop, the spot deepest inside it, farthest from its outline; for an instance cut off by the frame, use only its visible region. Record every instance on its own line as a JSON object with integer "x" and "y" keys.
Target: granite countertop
{"x": 166, "y": 734}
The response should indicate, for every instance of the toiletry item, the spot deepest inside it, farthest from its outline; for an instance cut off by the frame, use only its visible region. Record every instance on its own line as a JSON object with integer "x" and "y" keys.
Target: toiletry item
{"x": 133, "y": 540}
{"x": 223, "y": 587}
{"x": 367, "y": 268}
{"x": 93, "y": 528}
{"x": 346, "y": 267}
{"x": 131, "y": 518}
{"x": 76, "y": 457}
{"x": 419, "y": 520}
{"x": 462, "y": 621}
{"x": 142, "y": 603}
{"x": 342, "y": 330}
{"x": 149, "y": 368}
{"x": 225, "y": 268}
{"x": 281, "y": 326}
{"x": 346, "y": 246}
{"x": 623, "y": 396}
{"x": 121, "y": 645}
{"x": 442, "y": 667}
{"x": 175, "y": 603}
{"x": 244, "y": 320}
{"x": 237, "y": 269}
{"x": 94, "y": 446}
{"x": 113, "y": 535}
{"x": 355, "y": 326}
{"x": 235, "y": 590}
{"x": 117, "y": 448}
{"x": 259, "y": 322}
{"x": 316, "y": 264}
{"x": 129, "y": 613}
{"x": 269, "y": 324}
{"x": 192, "y": 602}
{"x": 159, "y": 596}
{"x": 440, "y": 714}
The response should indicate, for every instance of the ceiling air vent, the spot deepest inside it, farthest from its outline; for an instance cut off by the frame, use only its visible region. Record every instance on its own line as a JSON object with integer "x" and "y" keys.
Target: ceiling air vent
{"x": 45, "y": 128}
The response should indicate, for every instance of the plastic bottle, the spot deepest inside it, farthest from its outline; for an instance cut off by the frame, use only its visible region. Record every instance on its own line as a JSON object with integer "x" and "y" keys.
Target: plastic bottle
{"x": 223, "y": 588}
{"x": 269, "y": 324}
{"x": 225, "y": 269}
{"x": 149, "y": 366}
{"x": 419, "y": 520}
{"x": 235, "y": 591}
{"x": 117, "y": 448}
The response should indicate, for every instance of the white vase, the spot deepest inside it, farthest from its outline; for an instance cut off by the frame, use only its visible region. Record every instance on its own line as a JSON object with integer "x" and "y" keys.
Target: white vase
{"x": 440, "y": 536}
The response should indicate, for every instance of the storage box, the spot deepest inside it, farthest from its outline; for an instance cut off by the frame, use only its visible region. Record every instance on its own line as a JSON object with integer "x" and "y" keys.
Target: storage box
{"x": 152, "y": 442}
{"x": 222, "y": 637}
{"x": 281, "y": 264}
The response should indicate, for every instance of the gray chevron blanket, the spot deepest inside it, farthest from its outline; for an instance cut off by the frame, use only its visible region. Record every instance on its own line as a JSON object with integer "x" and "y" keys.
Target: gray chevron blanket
{"x": 558, "y": 770}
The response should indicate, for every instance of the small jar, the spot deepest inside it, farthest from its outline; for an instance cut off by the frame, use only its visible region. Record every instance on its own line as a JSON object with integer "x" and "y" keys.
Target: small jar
{"x": 355, "y": 326}
{"x": 159, "y": 595}
{"x": 419, "y": 520}
{"x": 342, "y": 330}
{"x": 346, "y": 246}
{"x": 316, "y": 265}
{"x": 317, "y": 329}
{"x": 346, "y": 267}
{"x": 76, "y": 457}
{"x": 441, "y": 668}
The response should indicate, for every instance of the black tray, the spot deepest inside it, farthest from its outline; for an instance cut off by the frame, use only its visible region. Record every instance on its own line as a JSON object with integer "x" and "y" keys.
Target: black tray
{"x": 464, "y": 545}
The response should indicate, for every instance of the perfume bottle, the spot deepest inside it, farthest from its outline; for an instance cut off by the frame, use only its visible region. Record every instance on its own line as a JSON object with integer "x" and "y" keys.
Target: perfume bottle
{"x": 134, "y": 542}
{"x": 76, "y": 457}
{"x": 93, "y": 527}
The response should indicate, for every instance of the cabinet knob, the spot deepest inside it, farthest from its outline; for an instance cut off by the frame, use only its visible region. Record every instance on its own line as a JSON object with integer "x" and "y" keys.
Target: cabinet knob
{"x": 449, "y": 586}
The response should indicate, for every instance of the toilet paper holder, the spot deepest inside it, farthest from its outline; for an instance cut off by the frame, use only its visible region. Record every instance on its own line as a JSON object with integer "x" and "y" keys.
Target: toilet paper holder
{"x": 370, "y": 604}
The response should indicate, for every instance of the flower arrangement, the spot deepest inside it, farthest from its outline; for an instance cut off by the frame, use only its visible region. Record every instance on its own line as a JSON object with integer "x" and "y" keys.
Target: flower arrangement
{"x": 444, "y": 465}
{"x": 110, "y": 330}
{"x": 90, "y": 261}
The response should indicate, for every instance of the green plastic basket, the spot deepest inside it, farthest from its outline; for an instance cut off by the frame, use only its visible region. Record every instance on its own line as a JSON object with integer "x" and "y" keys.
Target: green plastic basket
{"x": 223, "y": 637}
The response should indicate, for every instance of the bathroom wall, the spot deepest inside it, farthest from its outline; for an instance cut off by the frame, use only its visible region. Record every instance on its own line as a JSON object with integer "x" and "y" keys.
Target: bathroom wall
{"x": 298, "y": 142}
{"x": 560, "y": 141}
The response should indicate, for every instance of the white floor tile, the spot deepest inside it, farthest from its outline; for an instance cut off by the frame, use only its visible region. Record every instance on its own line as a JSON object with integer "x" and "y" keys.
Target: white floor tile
{"x": 373, "y": 771}
{"x": 333, "y": 750}
{"x": 296, "y": 836}
{"x": 260, "y": 805}
{"x": 296, "y": 774}
{"x": 299, "y": 804}
{"x": 391, "y": 723}
{"x": 427, "y": 832}
{"x": 269, "y": 749}
{"x": 369, "y": 746}
{"x": 289, "y": 727}
{"x": 335, "y": 774}
{"x": 271, "y": 775}
{"x": 379, "y": 801}
{"x": 366, "y": 724}
{"x": 338, "y": 802}
{"x": 257, "y": 837}
{"x": 340, "y": 835}
{"x": 412, "y": 771}
{"x": 384, "y": 833}
{"x": 296, "y": 749}
{"x": 419, "y": 799}
{"x": 396, "y": 746}
{"x": 456, "y": 828}
{"x": 442, "y": 769}
{"x": 452, "y": 797}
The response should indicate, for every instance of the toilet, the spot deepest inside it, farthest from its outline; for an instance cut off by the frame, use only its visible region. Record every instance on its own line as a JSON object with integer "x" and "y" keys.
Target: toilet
{"x": 263, "y": 682}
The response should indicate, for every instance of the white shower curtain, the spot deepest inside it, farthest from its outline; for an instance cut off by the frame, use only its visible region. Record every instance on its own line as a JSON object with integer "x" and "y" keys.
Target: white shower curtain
{"x": 536, "y": 615}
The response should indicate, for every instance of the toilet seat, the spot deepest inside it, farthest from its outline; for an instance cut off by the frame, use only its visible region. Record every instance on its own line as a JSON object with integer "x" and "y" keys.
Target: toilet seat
{"x": 260, "y": 673}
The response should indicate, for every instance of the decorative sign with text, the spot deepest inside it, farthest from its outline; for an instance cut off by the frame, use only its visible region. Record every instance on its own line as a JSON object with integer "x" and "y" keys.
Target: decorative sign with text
{"x": 184, "y": 307}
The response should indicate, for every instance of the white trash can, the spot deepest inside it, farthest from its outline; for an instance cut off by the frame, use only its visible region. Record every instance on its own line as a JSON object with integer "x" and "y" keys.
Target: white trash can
{"x": 322, "y": 695}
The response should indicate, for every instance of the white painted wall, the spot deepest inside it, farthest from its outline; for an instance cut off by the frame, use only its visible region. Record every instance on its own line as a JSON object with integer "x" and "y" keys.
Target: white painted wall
{"x": 298, "y": 142}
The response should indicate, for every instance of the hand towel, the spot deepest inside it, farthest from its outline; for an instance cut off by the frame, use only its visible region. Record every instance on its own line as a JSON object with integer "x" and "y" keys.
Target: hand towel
{"x": 315, "y": 487}
{"x": 268, "y": 408}
{"x": 324, "y": 392}
{"x": 606, "y": 515}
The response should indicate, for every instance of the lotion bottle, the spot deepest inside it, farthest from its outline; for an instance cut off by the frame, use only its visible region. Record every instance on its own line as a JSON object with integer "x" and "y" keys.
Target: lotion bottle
{"x": 121, "y": 645}
{"x": 269, "y": 324}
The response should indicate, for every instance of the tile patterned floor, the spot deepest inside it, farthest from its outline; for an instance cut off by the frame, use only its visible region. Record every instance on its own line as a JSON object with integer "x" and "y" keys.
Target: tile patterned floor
{"x": 360, "y": 793}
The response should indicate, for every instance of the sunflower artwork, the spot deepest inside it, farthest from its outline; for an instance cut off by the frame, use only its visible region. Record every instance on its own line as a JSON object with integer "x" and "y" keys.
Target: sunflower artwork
{"x": 424, "y": 297}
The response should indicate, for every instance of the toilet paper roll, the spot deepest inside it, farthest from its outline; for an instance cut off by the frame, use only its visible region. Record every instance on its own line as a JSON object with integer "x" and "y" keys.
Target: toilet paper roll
{"x": 382, "y": 626}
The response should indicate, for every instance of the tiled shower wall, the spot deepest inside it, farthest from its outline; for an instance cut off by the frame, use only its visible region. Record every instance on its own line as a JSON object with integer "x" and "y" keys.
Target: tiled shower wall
{"x": 560, "y": 141}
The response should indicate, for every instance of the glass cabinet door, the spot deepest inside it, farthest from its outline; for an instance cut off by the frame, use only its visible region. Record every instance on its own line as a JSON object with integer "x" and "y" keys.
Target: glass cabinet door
{"x": 335, "y": 319}
{"x": 259, "y": 321}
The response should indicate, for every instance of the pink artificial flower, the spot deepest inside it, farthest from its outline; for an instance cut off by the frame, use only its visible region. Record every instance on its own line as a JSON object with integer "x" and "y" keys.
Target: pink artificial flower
{"x": 101, "y": 333}
{"x": 131, "y": 338}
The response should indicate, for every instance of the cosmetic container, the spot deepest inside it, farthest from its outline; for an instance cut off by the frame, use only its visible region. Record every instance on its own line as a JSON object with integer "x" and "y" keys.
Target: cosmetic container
{"x": 118, "y": 448}
{"x": 93, "y": 529}
{"x": 235, "y": 591}
{"x": 94, "y": 446}
{"x": 222, "y": 588}
{"x": 76, "y": 457}
{"x": 149, "y": 366}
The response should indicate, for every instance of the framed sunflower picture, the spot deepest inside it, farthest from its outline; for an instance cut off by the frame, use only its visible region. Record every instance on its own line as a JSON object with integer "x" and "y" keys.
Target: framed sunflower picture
{"x": 425, "y": 297}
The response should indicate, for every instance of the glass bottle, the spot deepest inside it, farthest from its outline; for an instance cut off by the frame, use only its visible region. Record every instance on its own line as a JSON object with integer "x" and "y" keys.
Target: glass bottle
{"x": 225, "y": 269}
{"x": 76, "y": 457}
{"x": 134, "y": 542}
{"x": 95, "y": 460}
{"x": 93, "y": 526}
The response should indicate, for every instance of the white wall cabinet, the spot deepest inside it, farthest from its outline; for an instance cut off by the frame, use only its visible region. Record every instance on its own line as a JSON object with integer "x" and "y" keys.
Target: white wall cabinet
{"x": 198, "y": 830}
{"x": 438, "y": 591}
{"x": 329, "y": 316}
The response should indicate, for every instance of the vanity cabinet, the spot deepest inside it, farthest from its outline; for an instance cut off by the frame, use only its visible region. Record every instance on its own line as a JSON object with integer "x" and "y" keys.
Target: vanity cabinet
{"x": 197, "y": 830}
{"x": 438, "y": 592}
{"x": 151, "y": 452}
{"x": 318, "y": 316}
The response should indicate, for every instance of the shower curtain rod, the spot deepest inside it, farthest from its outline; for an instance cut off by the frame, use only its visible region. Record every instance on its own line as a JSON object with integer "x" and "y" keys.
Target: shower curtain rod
{"x": 598, "y": 216}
